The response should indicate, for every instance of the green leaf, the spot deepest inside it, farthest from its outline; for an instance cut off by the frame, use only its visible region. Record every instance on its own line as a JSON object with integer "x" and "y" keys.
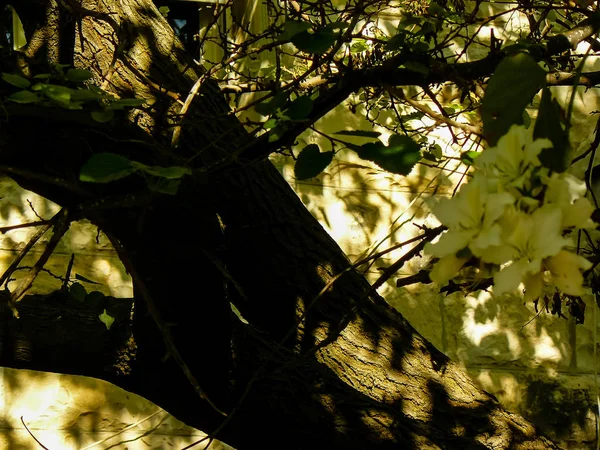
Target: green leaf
{"x": 78, "y": 292}
{"x": 436, "y": 149}
{"x": 548, "y": 125}
{"x": 164, "y": 11}
{"x": 396, "y": 42}
{"x": 126, "y": 103}
{"x": 85, "y": 95}
{"x": 94, "y": 298}
{"x": 316, "y": 43}
{"x": 105, "y": 167}
{"x": 277, "y": 132}
{"x": 361, "y": 133}
{"x": 163, "y": 185}
{"x": 358, "y": 46}
{"x": 293, "y": 27}
{"x": 399, "y": 156}
{"x": 106, "y": 319}
{"x": 436, "y": 10}
{"x": 170, "y": 173}
{"x": 299, "y": 109}
{"x": 337, "y": 25}
{"x": 468, "y": 158}
{"x": 16, "y": 80}
{"x": 24, "y": 97}
{"x": 78, "y": 75}
{"x": 270, "y": 124}
{"x": 270, "y": 106}
{"x": 84, "y": 279}
{"x": 420, "y": 47}
{"x": 103, "y": 116}
{"x": 433, "y": 153}
{"x": 512, "y": 87}
{"x": 60, "y": 95}
{"x": 311, "y": 162}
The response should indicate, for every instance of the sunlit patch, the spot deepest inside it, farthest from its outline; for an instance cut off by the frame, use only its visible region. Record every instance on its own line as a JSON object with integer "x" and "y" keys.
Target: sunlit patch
{"x": 474, "y": 330}
{"x": 546, "y": 349}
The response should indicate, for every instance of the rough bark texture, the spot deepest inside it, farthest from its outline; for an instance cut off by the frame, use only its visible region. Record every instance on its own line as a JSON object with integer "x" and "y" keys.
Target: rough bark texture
{"x": 378, "y": 385}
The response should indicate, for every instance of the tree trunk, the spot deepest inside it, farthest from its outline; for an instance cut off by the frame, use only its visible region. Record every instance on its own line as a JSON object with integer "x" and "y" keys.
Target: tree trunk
{"x": 243, "y": 237}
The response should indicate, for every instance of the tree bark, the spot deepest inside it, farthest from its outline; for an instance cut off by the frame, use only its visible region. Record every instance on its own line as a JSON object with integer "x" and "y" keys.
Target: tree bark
{"x": 246, "y": 238}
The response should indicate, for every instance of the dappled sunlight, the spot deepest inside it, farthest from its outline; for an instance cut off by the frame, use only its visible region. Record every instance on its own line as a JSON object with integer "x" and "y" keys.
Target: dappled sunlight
{"x": 476, "y": 329}
{"x": 94, "y": 255}
{"x": 80, "y": 413}
{"x": 546, "y": 350}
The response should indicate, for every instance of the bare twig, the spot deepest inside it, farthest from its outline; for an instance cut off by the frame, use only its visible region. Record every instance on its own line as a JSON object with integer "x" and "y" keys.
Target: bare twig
{"x": 24, "y": 225}
{"x": 398, "y": 92}
{"x": 428, "y": 236}
{"x": 65, "y": 284}
{"x": 31, "y": 434}
{"x": 61, "y": 224}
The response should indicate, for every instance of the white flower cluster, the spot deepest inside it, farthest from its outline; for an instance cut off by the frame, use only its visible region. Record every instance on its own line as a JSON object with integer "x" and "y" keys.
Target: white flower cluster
{"x": 513, "y": 215}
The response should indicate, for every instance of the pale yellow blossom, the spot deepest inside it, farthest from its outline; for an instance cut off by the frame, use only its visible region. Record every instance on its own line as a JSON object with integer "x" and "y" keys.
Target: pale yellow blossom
{"x": 566, "y": 268}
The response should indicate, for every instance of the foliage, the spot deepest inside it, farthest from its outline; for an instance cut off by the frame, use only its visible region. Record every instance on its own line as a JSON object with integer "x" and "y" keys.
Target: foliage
{"x": 439, "y": 70}
{"x": 67, "y": 90}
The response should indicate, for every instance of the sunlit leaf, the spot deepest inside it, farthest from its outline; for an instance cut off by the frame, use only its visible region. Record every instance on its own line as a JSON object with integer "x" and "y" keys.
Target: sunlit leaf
{"x": 358, "y": 46}
{"x": 164, "y": 11}
{"x": 16, "y": 80}
{"x": 468, "y": 158}
{"x": 277, "y": 132}
{"x": 270, "y": 124}
{"x": 311, "y": 162}
{"x": 105, "y": 167}
{"x": 60, "y": 95}
{"x": 512, "y": 87}
{"x": 106, "y": 319}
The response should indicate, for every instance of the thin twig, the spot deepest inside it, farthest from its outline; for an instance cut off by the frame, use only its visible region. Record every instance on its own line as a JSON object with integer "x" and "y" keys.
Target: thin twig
{"x": 65, "y": 284}
{"x": 24, "y": 225}
{"x": 61, "y": 225}
{"x": 31, "y": 434}
{"x": 386, "y": 275}
{"x": 431, "y": 113}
